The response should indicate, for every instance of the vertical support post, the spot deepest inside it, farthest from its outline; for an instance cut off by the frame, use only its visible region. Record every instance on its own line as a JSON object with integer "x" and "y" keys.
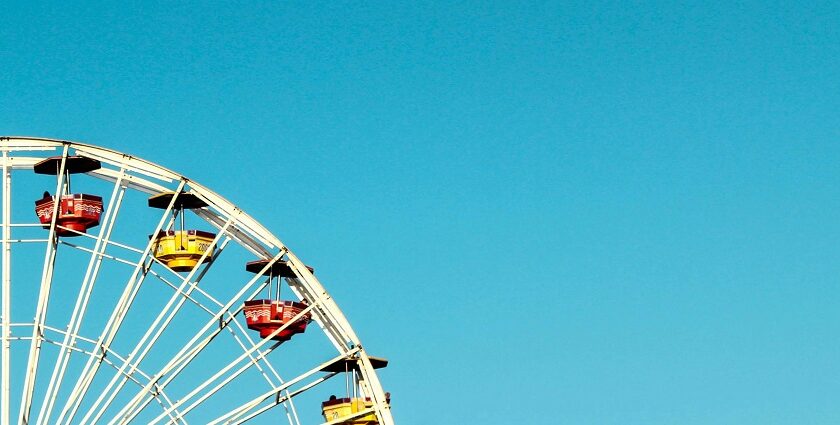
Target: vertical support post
{"x": 43, "y": 300}
{"x": 7, "y": 302}
{"x": 106, "y": 226}
{"x": 112, "y": 327}
{"x": 151, "y": 336}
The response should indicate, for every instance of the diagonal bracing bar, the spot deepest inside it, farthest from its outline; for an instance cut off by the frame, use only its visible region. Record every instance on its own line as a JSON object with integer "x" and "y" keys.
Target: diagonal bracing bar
{"x": 115, "y": 321}
{"x": 246, "y": 411}
{"x": 69, "y": 341}
{"x": 164, "y": 318}
{"x": 192, "y": 348}
{"x": 43, "y": 301}
{"x": 247, "y": 407}
{"x": 256, "y": 348}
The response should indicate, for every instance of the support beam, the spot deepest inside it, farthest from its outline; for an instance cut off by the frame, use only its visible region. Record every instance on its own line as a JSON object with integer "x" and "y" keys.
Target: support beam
{"x": 193, "y": 347}
{"x": 275, "y": 392}
{"x": 75, "y": 323}
{"x": 43, "y": 300}
{"x": 5, "y": 370}
{"x": 115, "y": 321}
{"x": 161, "y": 322}
{"x": 198, "y": 389}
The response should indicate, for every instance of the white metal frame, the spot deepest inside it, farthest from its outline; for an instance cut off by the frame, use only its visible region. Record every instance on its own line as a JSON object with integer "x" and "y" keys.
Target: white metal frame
{"x": 233, "y": 225}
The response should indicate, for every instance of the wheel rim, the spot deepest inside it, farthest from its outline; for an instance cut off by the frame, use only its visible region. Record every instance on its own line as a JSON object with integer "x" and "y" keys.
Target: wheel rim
{"x": 192, "y": 358}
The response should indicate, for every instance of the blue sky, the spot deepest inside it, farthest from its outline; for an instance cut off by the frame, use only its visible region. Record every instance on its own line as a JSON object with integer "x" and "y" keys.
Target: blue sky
{"x": 582, "y": 213}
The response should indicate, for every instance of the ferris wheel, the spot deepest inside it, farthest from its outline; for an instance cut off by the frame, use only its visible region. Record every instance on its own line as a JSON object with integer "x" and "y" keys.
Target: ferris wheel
{"x": 132, "y": 294}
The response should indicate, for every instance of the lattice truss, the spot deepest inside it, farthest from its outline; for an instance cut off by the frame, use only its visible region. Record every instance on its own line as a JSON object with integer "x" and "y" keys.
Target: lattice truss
{"x": 98, "y": 328}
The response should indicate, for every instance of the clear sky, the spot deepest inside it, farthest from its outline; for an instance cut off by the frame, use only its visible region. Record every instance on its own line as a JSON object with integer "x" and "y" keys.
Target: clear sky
{"x": 574, "y": 213}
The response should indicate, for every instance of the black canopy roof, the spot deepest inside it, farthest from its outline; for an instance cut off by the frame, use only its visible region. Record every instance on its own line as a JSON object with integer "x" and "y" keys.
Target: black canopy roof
{"x": 73, "y": 165}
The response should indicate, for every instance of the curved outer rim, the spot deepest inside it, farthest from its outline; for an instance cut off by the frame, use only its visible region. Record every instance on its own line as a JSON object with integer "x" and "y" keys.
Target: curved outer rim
{"x": 334, "y": 322}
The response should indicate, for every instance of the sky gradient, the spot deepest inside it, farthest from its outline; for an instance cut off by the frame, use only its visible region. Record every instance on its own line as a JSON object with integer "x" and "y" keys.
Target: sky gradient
{"x": 541, "y": 213}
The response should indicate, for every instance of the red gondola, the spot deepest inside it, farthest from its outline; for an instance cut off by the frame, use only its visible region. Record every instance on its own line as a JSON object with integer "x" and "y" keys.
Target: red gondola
{"x": 77, "y": 212}
{"x": 266, "y": 316}
{"x": 269, "y": 315}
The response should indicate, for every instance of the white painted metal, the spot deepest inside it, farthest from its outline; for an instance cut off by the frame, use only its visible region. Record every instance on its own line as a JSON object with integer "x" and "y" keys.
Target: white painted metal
{"x": 245, "y": 416}
{"x": 43, "y": 299}
{"x": 5, "y": 399}
{"x": 274, "y": 392}
{"x": 130, "y": 173}
{"x": 230, "y": 366}
{"x": 124, "y": 416}
{"x": 194, "y": 346}
{"x": 92, "y": 272}
{"x": 151, "y": 336}
{"x": 116, "y": 319}
{"x": 160, "y": 397}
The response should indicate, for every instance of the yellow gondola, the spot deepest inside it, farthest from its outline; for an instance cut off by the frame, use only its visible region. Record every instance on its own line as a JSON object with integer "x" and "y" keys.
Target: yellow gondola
{"x": 336, "y": 408}
{"x": 181, "y": 250}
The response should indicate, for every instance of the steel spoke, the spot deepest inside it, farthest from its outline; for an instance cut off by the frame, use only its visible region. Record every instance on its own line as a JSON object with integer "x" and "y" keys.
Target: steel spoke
{"x": 7, "y": 301}
{"x": 43, "y": 299}
{"x": 172, "y": 307}
{"x": 79, "y": 388}
{"x": 115, "y": 321}
{"x": 92, "y": 272}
